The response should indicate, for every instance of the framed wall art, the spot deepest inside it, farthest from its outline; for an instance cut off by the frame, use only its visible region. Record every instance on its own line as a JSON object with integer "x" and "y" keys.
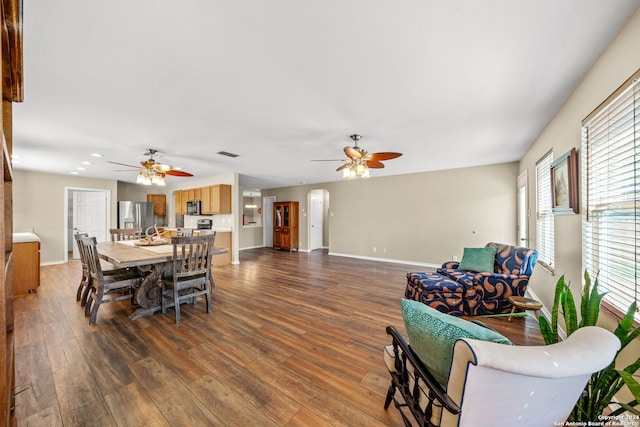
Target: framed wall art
{"x": 564, "y": 183}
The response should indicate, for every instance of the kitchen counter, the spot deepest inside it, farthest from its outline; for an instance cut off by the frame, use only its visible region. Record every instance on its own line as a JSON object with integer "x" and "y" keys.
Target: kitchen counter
{"x": 25, "y": 237}
{"x": 26, "y": 263}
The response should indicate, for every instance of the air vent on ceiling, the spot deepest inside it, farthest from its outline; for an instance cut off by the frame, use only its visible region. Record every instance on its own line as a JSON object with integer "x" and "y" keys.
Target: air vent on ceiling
{"x": 226, "y": 153}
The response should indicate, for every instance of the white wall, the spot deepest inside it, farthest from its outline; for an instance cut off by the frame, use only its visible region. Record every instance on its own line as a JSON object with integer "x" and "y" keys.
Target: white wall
{"x": 616, "y": 64}
{"x": 39, "y": 205}
{"x": 423, "y": 218}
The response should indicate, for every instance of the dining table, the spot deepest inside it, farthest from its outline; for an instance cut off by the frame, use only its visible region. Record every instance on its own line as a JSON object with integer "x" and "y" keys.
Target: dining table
{"x": 155, "y": 261}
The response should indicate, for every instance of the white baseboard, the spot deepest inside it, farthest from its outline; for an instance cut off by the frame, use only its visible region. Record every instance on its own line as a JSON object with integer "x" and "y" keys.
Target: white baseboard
{"x": 396, "y": 261}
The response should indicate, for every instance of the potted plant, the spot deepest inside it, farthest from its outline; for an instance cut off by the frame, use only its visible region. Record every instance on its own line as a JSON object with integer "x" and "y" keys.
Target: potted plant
{"x": 603, "y": 385}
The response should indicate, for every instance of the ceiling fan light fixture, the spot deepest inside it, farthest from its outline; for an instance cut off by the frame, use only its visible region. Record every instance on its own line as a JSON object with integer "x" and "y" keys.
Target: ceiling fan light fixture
{"x": 157, "y": 179}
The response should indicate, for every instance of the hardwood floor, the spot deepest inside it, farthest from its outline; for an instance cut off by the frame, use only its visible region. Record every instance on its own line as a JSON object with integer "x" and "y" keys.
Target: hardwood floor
{"x": 294, "y": 339}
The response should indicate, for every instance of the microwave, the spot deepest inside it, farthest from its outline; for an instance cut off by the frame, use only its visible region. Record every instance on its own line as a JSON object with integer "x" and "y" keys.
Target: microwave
{"x": 193, "y": 207}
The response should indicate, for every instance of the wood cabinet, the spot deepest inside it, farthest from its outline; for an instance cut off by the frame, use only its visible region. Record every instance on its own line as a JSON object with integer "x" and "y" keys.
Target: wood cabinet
{"x": 216, "y": 199}
{"x": 180, "y": 199}
{"x": 26, "y": 267}
{"x": 177, "y": 203}
{"x": 159, "y": 203}
{"x": 285, "y": 229}
{"x": 223, "y": 240}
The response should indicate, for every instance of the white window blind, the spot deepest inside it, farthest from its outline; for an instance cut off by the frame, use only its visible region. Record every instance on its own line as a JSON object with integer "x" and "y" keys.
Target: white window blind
{"x": 611, "y": 195}
{"x": 544, "y": 212}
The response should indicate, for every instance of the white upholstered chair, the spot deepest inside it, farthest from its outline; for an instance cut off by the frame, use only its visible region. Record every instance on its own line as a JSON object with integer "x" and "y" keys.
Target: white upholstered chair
{"x": 497, "y": 385}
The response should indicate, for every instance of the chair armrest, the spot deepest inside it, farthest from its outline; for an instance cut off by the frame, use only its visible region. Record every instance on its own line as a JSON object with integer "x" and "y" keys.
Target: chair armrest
{"x": 450, "y": 264}
{"x": 589, "y": 349}
{"x": 421, "y": 371}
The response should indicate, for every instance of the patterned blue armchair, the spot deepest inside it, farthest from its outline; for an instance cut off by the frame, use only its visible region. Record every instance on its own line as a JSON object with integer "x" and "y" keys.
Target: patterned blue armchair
{"x": 462, "y": 292}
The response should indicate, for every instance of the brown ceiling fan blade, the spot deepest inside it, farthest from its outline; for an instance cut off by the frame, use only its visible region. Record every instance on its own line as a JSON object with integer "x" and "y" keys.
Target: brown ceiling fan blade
{"x": 352, "y": 153}
{"x": 341, "y": 167}
{"x": 374, "y": 164}
{"x": 174, "y": 172}
{"x": 124, "y": 164}
{"x": 385, "y": 155}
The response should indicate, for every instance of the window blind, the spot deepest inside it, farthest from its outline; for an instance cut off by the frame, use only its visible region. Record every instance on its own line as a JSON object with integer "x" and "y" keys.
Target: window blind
{"x": 544, "y": 212}
{"x": 611, "y": 195}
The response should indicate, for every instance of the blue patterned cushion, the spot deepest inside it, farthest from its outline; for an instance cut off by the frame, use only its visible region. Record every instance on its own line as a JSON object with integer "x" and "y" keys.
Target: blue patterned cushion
{"x": 432, "y": 335}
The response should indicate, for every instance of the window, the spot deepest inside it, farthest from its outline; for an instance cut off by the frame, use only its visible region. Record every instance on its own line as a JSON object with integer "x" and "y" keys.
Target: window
{"x": 544, "y": 212}
{"x": 611, "y": 195}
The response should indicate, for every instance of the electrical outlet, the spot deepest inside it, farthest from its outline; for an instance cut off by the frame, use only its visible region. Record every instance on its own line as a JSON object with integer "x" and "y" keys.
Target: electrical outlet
{"x": 455, "y": 258}
{"x": 373, "y": 249}
{"x": 384, "y": 250}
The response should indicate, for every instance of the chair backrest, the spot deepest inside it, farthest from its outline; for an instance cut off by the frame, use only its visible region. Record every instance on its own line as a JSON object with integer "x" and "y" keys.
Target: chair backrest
{"x": 528, "y": 385}
{"x": 78, "y": 237}
{"x": 192, "y": 255}
{"x": 514, "y": 260}
{"x": 118, "y": 234}
{"x": 184, "y": 232}
{"x": 89, "y": 246}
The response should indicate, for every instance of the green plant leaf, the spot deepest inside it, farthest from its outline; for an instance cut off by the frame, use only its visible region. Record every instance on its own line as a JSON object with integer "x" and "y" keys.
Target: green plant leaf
{"x": 550, "y": 337}
{"x": 556, "y": 305}
{"x": 631, "y": 382}
{"x": 586, "y": 295}
{"x": 591, "y": 305}
{"x": 570, "y": 313}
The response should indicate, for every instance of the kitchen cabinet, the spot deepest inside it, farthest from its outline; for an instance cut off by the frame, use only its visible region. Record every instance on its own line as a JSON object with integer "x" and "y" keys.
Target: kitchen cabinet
{"x": 223, "y": 240}
{"x": 285, "y": 230}
{"x": 26, "y": 263}
{"x": 217, "y": 199}
{"x": 177, "y": 203}
{"x": 159, "y": 203}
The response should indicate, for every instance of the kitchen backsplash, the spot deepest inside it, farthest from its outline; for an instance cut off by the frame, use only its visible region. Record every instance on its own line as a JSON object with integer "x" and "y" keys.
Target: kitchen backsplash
{"x": 219, "y": 221}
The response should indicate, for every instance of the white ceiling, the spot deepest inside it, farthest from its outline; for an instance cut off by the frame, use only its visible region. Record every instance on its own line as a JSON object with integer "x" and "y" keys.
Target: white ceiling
{"x": 448, "y": 83}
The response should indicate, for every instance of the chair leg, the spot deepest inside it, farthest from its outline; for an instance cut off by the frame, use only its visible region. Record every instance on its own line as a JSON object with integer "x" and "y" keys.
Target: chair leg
{"x": 80, "y": 288}
{"x": 207, "y": 297}
{"x": 390, "y": 393}
{"x": 176, "y": 304}
{"x": 163, "y": 299}
{"x": 96, "y": 305}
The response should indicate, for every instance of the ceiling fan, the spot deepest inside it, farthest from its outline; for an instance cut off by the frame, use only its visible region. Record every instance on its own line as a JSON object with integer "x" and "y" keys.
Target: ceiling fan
{"x": 152, "y": 172}
{"x": 359, "y": 161}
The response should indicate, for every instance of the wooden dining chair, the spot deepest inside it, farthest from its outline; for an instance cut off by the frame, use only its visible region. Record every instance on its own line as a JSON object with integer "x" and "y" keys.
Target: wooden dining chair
{"x": 119, "y": 234}
{"x": 83, "y": 287}
{"x": 212, "y": 284}
{"x": 191, "y": 272}
{"x": 106, "y": 288}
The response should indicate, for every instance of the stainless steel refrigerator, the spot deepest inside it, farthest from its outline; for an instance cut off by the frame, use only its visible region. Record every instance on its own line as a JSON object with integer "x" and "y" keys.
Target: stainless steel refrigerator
{"x": 135, "y": 215}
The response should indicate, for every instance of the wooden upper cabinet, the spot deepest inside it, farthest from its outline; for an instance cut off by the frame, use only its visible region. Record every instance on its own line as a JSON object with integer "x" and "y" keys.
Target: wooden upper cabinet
{"x": 159, "y": 203}
{"x": 205, "y": 198}
{"x": 216, "y": 199}
{"x": 180, "y": 201}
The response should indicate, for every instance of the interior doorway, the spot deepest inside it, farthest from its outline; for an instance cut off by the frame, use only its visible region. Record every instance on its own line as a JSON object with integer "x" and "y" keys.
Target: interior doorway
{"x": 88, "y": 211}
{"x": 316, "y": 219}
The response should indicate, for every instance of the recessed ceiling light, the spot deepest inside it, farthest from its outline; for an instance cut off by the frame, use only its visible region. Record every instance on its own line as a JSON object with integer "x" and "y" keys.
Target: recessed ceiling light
{"x": 86, "y": 163}
{"x": 96, "y": 155}
{"x": 178, "y": 168}
{"x": 75, "y": 173}
{"x": 80, "y": 168}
